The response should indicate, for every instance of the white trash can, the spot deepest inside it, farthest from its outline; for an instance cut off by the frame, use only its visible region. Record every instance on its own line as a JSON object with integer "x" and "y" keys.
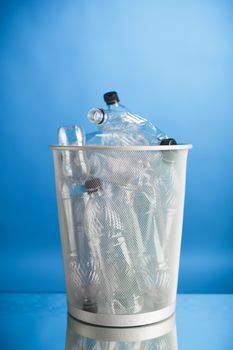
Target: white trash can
{"x": 121, "y": 214}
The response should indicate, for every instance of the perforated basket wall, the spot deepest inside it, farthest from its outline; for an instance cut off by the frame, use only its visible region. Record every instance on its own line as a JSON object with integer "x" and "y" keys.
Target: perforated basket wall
{"x": 120, "y": 213}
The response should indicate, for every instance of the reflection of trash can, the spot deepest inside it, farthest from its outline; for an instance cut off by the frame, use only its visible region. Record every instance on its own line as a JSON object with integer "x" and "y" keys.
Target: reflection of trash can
{"x": 121, "y": 213}
{"x": 158, "y": 336}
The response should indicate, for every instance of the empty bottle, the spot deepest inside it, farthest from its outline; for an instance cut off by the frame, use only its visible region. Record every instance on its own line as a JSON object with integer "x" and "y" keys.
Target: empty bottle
{"x": 74, "y": 163}
{"x": 112, "y": 249}
{"x": 119, "y": 168}
{"x": 155, "y": 240}
{"x": 74, "y": 167}
{"x": 139, "y": 204}
{"x": 118, "y": 126}
{"x": 81, "y": 269}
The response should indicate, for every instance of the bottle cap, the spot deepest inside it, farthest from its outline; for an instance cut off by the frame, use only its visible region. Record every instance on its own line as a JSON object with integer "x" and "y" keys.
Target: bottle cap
{"x": 111, "y": 97}
{"x": 96, "y": 115}
{"x": 93, "y": 184}
{"x": 168, "y": 142}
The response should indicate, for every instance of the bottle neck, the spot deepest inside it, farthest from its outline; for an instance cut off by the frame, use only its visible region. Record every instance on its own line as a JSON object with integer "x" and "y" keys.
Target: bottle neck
{"x": 112, "y": 113}
{"x": 113, "y": 106}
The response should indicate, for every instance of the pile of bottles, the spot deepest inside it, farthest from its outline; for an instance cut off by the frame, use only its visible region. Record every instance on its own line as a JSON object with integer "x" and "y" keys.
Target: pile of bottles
{"x": 119, "y": 210}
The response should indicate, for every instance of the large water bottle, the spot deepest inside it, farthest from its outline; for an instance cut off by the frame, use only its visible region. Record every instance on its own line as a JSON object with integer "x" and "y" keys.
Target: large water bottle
{"x": 112, "y": 247}
{"x": 118, "y": 126}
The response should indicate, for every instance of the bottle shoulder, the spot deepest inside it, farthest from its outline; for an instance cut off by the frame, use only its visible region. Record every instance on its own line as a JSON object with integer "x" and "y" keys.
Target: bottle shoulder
{"x": 121, "y": 127}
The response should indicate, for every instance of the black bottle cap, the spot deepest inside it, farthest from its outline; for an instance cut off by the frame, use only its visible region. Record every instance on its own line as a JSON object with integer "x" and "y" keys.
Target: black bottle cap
{"x": 168, "y": 142}
{"x": 93, "y": 184}
{"x": 111, "y": 97}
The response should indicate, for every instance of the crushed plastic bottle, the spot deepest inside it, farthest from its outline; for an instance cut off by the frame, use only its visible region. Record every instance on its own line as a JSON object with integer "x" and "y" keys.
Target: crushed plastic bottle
{"x": 126, "y": 169}
{"x": 118, "y": 126}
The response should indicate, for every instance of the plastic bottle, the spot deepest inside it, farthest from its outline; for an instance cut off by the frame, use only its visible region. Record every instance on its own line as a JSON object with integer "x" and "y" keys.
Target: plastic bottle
{"x": 81, "y": 269}
{"x": 112, "y": 250}
{"x": 142, "y": 210}
{"x": 74, "y": 167}
{"x": 74, "y": 163}
{"x": 118, "y": 126}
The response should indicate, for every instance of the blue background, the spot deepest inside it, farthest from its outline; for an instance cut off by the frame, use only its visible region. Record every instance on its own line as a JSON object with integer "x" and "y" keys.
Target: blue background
{"x": 171, "y": 61}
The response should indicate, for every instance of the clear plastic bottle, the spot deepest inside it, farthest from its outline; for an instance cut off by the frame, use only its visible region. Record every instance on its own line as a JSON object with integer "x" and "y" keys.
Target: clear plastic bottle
{"x": 154, "y": 240}
{"x": 81, "y": 269}
{"x": 74, "y": 163}
{"x": 112, "y": 250}
{"x": 118, "y": 126}
{"x": 153, "y": 275}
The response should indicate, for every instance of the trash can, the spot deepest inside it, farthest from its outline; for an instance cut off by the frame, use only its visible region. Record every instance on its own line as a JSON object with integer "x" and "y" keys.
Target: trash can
{"x": 158, "y": 336}
{"x": 120, "y": 215}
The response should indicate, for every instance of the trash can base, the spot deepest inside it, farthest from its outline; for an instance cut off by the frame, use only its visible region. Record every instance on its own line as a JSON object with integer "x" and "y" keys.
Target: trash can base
{"x": 121, "y": 320}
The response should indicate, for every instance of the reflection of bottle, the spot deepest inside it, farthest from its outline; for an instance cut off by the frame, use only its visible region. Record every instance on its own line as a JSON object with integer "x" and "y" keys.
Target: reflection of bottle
{"x": 117, "y": 126}
{"x": 112, "y": 249}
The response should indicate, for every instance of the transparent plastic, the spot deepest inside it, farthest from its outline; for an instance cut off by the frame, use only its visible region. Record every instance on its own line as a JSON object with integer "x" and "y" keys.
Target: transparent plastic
{"x": 121, "y": 226}
{"x": 118, "y": 126}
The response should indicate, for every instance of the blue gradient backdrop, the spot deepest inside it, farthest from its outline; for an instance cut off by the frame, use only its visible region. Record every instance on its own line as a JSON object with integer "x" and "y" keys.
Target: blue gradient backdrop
{"x": 171, "y": 61}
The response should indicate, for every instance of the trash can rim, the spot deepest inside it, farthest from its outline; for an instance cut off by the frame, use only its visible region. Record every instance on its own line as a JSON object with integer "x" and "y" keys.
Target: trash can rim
{"x": 120, "y": 148}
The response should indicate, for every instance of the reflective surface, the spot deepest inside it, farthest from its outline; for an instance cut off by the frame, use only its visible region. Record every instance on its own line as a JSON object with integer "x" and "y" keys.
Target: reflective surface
{"x": 39, "y": 321}
{"x": 159, "y": 336}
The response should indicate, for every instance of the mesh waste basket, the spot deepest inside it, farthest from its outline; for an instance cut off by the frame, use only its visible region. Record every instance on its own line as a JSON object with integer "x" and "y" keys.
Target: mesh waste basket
{"x": 121, "y": 214}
